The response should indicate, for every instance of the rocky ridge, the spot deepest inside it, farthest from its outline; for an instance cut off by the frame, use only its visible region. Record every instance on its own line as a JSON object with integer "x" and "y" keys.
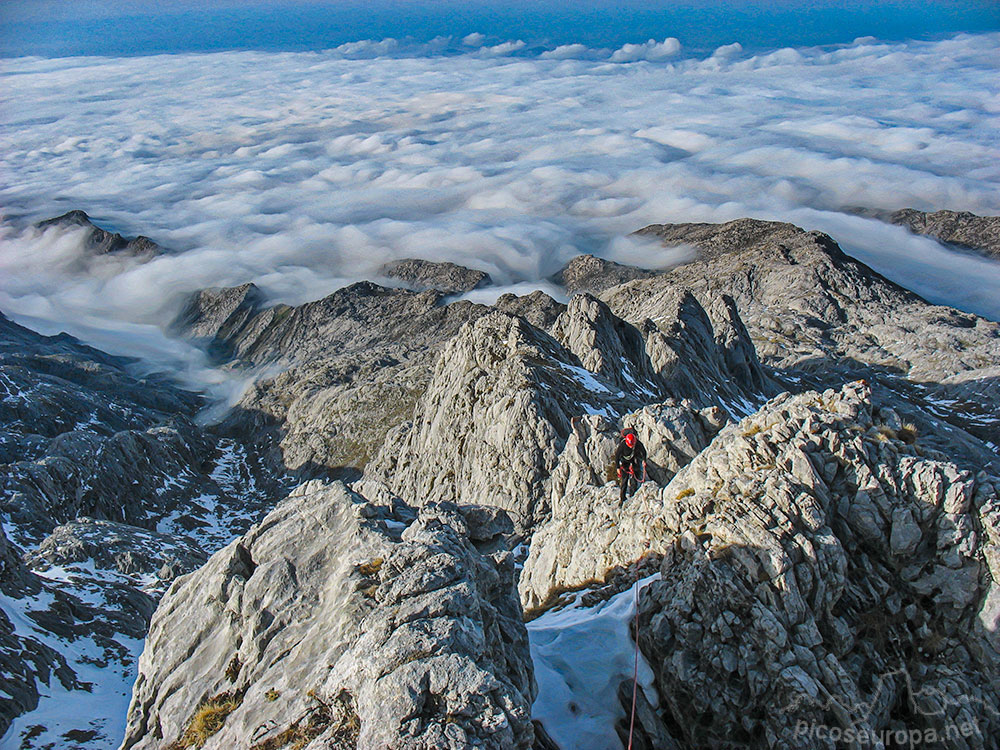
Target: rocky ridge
{"x": 365, "y": 349}
{"x": 824, "y": 318}
{"x": 504, "y": 394}
{"x": 102, "y": 242}
{"x": 587, "y": 273}
{"x": 421, "y": 275}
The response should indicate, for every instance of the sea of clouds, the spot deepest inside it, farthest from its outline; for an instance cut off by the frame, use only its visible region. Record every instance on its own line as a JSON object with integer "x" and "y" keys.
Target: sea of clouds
{"x": 304, "y": 171}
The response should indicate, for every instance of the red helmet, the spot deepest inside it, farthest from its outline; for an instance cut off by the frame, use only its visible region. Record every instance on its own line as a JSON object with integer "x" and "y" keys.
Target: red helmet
{"x": 630, "y": 439}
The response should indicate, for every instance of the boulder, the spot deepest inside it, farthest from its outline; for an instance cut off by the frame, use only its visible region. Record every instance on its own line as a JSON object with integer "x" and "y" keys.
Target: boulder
{"x": 422, "y": 275}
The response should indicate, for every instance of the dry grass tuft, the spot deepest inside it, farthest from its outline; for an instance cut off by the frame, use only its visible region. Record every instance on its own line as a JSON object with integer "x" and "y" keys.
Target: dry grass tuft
{"x": 371, "y": 567}
{"x": 208, "y": 718}
{"x": 886, "y": 433}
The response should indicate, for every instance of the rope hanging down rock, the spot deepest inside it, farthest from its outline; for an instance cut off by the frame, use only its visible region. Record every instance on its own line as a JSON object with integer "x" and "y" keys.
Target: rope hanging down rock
{"x": 635, "y": 667}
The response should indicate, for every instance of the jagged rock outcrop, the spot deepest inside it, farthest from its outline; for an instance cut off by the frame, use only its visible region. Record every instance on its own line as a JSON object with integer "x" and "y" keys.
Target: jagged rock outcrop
{"x": 816, "y": 571}
{"x": 824, "y": 318}
{"x": 587, "y": 273}
{"x": 118, "y": 547}
{"x": 492, "y": 421}
{"x": 688, "y": 351}
{"x": 607, "y": 346}
{"x": 503, "y": 395}
{"x": 346, "y": 624}
{"x": 81, "y": 436}
{"x": 673, "y": 433}
{"x": 537, "y": 308}
{"x": 959, "y": 228}
{"x": 421, "y": 275}
{"x": 102, "y": 242}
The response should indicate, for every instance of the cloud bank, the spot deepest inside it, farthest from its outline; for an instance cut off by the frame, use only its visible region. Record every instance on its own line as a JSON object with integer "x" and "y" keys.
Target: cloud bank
{"x": 651, "y": 50}
{"x": 303, "y": 171}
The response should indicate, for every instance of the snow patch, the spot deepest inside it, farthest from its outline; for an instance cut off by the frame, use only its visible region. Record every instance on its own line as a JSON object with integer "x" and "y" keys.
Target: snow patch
{"x": 105, "y": 670}
{"x": 585, "y": 378}
{"x": 581, "y": 656}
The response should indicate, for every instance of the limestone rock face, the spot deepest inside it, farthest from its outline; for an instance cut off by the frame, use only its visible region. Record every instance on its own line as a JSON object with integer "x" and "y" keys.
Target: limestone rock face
{"x": 816, "y": 571}
{"x": 503, "y": 397}
{"x": 334, "y": 375}
{"x": 421, "y": 275}
{"x": 492, "y": 421}
{"x": 347, "y": 624}
{"x": 688, "y": 352}
{"x": 215, "y": 315}
{"x": 607, "y": 346}
{"x": 672, "y": 432}
{"x": 537, "y": 308}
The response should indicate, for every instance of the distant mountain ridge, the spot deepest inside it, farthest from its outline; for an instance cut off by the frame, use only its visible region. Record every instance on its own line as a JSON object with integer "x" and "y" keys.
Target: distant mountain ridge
{"x": 961, "y": 229}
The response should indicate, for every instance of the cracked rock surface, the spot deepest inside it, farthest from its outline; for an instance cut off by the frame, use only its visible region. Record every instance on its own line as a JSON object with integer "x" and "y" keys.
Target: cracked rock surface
{"x": 353, "y": 624}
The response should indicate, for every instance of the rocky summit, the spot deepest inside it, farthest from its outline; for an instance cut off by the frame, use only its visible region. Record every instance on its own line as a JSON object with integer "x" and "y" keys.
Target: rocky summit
{"x": 422, "y": 275}
{"x": 408, "y": 532}
{"x": 100, "y": 241}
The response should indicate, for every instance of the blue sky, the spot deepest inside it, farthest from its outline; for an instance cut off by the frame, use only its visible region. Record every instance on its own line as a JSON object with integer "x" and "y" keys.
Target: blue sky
{"x": 56, "y": 28}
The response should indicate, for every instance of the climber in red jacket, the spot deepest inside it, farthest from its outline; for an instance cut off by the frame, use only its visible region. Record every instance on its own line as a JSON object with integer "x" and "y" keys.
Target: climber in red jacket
{"x": 630, "y": 461}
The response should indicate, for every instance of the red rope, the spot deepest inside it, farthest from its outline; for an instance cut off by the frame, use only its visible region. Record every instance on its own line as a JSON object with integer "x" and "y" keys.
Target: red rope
{"x": 635, "y": 668}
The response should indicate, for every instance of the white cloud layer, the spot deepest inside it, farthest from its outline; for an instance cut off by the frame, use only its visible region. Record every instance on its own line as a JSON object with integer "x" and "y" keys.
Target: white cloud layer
{"x": 651, "y": 50}
{"x": 302, "y": 171}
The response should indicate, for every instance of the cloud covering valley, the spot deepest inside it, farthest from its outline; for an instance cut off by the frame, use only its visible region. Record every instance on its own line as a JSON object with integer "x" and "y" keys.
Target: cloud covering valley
{"x": 304, "y": 171}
